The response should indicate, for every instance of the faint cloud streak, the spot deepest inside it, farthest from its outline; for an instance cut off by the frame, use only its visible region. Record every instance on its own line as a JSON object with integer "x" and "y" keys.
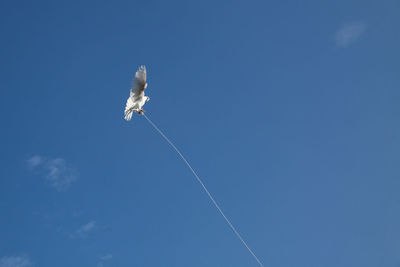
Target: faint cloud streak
{"x": 15, "y": 261}
{"x": 104, "y": 258}
{"x": 84, "y": 230}
{"x": 349, "y": 33}
{"x": 56, "y": 171}
{"x": 35, "y": 161}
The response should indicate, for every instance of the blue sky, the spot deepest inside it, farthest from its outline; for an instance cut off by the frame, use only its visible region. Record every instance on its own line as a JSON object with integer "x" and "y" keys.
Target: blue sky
{"x": 289, "y": 111}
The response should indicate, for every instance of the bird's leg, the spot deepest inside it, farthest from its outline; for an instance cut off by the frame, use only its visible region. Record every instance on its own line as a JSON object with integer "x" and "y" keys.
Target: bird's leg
{"x": 147, "y": 99}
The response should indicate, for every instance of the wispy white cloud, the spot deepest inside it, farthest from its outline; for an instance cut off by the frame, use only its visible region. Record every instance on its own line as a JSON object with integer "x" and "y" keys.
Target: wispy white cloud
{"x": 15, "y": 261}
{"x": 349, "y": 33}
{"x": 84, "y": 230}
{"x": 35, "y": 161}
{"x": 59, "y": 174}
{"x": 56, "y": 171}
{"x": 104, "y": 258}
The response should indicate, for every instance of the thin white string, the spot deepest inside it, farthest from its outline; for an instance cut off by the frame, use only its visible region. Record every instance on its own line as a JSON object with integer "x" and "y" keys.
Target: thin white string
{"x": 205, "y": 189}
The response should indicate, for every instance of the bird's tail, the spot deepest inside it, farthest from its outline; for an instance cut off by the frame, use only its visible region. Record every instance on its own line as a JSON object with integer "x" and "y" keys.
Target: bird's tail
{"x": 128, "y": 115}
{"x": 129, "y": 109}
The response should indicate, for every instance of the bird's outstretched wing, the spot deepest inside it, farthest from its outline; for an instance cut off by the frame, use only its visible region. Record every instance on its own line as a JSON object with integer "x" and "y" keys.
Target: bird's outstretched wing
{"x": 139, "y": 81}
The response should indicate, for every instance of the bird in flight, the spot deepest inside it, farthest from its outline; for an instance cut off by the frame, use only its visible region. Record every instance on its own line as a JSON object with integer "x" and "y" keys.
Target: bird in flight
{"x": 135, "y": 102}
{"x": 137, "y": 98}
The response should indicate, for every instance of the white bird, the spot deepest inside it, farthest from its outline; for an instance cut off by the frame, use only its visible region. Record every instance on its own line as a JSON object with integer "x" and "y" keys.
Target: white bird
{"x": 137, "y": 98}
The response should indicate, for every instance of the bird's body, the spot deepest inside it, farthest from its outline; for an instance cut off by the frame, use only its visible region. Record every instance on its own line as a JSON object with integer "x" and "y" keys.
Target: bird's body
{"x": 137, "y": 98}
